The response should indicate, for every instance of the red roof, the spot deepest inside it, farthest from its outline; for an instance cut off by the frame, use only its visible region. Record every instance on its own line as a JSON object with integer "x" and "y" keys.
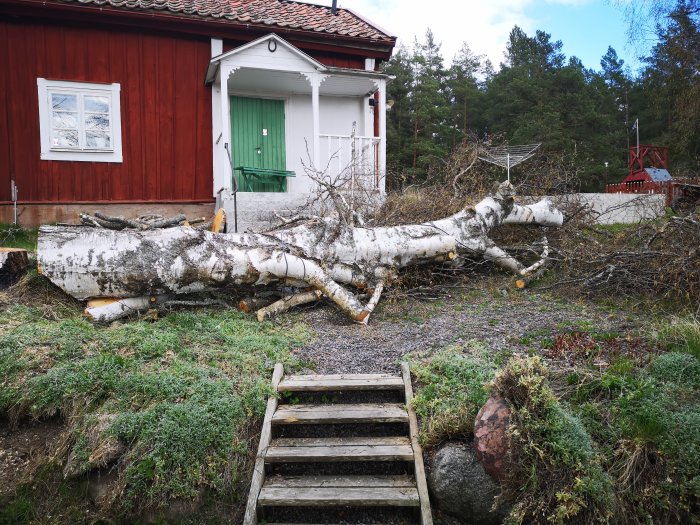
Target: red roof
{"x": 285, "y": 14}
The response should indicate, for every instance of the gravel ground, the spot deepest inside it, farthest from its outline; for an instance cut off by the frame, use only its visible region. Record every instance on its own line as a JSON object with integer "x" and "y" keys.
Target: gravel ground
{"x": 490, "y": 316}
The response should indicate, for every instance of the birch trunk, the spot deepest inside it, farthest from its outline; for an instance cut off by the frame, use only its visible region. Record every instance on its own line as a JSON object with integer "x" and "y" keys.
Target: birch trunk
{"x": 91, "y": 262}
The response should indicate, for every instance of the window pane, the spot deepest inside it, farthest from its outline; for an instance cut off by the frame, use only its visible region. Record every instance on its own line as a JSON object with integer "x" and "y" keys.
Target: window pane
{"x": 64, "y": 102}
{"x": 100, "y": 122}
{"x": 96, "y": 104}
{"x": 97, "y": 140}
{"x": 65, "y": 139}
{"x": 64, "y": 119}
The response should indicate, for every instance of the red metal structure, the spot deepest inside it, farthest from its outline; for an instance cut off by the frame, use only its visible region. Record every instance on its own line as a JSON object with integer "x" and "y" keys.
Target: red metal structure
{"x": 648, "y": 174}
{"x": 644, "y": 157}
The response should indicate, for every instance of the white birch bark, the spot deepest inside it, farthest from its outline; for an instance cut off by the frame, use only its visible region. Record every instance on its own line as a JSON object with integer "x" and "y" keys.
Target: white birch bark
{"x": 90, "y": 262}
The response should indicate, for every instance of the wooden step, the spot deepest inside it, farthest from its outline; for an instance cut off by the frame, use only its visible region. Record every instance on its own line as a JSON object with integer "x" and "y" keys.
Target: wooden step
{"x": 340, "y": 382}
{"x": 278, "y": 481}
{"x": 300, "y": 491}
{"x": 296, "y": 450}
{"x": 328, "y": 414}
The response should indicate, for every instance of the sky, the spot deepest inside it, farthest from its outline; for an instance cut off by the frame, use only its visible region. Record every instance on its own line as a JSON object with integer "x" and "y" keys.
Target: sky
{"x": 586, "y": 27}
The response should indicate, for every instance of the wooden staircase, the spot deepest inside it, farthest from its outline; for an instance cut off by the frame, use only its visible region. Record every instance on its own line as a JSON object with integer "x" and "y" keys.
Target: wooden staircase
{"x": 326, "y": 454}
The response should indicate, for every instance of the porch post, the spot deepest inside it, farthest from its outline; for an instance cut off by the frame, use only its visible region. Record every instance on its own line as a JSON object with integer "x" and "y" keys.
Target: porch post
{"x": 382, "y": 135}
{"x": 226, "y": 175}
{"x": 316, "y": 115}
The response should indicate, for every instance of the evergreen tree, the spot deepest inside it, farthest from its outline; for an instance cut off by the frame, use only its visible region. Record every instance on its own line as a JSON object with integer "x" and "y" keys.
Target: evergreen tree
{"x": 673, "y": 81}
{"x": 430, "y": 107}
{"x": 465, "y": 92}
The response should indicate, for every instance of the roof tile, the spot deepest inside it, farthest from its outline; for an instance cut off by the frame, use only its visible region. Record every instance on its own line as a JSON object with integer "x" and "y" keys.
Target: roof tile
{"x": 282, "y": 13}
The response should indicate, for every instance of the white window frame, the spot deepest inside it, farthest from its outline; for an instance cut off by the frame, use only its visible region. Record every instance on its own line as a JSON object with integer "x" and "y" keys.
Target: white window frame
{"x": 49, "y": 152}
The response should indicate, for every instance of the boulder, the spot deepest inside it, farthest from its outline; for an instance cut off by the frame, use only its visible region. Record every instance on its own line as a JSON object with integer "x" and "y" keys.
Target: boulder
{"x": 490, "y": 437}
{"x": 461, "y": 488}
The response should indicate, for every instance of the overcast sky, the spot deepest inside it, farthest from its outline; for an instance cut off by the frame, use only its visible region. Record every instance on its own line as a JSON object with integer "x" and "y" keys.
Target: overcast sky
{"x": 586, "y": 27}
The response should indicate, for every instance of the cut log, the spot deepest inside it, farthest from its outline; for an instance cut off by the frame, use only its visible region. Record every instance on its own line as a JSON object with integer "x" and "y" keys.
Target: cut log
{"x": 288, "y": 302}
{"x": 13, "y": 265}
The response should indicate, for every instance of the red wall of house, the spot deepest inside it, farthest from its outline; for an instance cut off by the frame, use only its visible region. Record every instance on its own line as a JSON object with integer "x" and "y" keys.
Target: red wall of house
{"x": 165, "y": 112}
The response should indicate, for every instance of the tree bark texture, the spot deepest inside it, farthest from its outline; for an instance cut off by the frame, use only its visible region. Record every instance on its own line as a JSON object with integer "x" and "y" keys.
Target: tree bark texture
{"x": 320, "y": 254}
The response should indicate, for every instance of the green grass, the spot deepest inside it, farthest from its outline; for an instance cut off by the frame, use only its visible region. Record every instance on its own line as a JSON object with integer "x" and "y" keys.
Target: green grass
{"x": 617, "y": 443}
{"x": 681, "y": 334}
{"x": 12, "y": 236}
{"x": 451, "y": 391}
{"x": 182, "y": 395}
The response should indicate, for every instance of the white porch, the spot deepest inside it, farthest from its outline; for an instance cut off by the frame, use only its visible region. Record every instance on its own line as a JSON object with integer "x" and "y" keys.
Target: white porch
{"x": 329, "y": 120}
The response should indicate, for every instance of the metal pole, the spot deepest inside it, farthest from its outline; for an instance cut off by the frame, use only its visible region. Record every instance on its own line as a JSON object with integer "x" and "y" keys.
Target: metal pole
{"x": 638, "y": 140}
{"x": 508, "y": 165}
{"x": 235, "y": 189}
{"x": 13, "y": 194}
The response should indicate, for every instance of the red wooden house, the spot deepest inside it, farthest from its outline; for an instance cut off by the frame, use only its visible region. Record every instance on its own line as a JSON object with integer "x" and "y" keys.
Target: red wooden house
{"x": 137, "y": 106}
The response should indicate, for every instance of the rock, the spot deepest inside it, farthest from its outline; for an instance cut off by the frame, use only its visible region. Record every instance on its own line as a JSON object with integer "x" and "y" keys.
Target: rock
{"x": 13, "y": 265}
{"x": 490, "y": 436}
{"x": 460, "y": 487}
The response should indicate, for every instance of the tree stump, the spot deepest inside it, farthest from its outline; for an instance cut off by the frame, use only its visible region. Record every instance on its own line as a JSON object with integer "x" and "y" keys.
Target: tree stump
{"x": 13, "y": 265}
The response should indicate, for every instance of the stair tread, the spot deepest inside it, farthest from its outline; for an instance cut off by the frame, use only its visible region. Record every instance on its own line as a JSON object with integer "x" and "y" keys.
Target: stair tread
{"x": 338, "y": 496}
{"x": 339, "y": 449}
{"x": 278, "y": 481}
{"x": 347, "y": 413}
{"x": 340, "y": 382}
{"x": 337, "y": 441}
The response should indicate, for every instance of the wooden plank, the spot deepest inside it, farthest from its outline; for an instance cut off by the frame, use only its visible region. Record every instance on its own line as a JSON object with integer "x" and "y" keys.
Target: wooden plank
{"x": 326, "y": 383}
{"x": 340, "y": 376}
{"x": 335, "y": 453}
{"x": 330, "y": 442}
{"x": 340, "y": 481}
{"x": 425, "y": 513}
{"x": 256, "y": 483}
{"x": 344, "y": 496}
{"x": 328, "y": 414}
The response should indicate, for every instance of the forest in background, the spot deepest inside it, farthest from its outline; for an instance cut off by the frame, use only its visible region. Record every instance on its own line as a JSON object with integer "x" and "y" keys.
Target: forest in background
{"x": 537, "y": 95}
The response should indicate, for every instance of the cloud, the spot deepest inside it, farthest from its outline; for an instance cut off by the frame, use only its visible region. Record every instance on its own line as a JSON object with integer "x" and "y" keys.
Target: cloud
{"x": 484, "y": 25}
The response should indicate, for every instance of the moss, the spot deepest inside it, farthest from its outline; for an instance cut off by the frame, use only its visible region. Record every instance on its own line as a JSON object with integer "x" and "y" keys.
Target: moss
{"x": 555, "y": 474}
{"x": 450, "y": 391}
{"x": 182, "y": 395}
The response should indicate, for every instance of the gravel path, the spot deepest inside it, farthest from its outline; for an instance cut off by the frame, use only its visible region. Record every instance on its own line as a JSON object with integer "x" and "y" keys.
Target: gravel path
{"x": 512, "y": 321}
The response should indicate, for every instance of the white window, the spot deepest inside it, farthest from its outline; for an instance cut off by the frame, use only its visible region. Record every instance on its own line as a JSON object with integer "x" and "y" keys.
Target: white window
{"x": 79, "y": 121}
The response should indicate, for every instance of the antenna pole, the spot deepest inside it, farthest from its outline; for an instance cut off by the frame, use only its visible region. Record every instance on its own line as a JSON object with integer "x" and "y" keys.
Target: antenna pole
{"x": 508, "y": 164}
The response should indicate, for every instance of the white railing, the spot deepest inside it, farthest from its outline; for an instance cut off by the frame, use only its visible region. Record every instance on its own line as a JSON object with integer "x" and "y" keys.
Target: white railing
{"x": 350, "y": 157}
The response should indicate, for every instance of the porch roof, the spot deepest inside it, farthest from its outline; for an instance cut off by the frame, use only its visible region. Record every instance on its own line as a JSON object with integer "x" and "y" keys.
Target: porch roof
{"x": 251, "y": 75}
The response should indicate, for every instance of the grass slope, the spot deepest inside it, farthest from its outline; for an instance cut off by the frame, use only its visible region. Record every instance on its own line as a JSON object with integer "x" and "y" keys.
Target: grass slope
{"x": 604, "y": 428}
{"x": 171, "y": 405}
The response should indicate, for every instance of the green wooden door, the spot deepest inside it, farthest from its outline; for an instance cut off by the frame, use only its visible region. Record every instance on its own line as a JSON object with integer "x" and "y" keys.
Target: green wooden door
{"x": 257, "y": 133}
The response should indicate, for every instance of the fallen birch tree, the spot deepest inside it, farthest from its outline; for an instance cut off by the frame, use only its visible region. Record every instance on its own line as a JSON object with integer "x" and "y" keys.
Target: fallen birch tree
{"x": 324, "y": 256}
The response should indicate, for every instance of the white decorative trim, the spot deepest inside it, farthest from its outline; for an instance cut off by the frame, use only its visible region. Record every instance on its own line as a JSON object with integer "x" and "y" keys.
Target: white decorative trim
{"x": 111, "y": 90}
{"x": 293, "y": 49}
{"x": 228, "y": 70}
{"x": 314, "y": 78}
